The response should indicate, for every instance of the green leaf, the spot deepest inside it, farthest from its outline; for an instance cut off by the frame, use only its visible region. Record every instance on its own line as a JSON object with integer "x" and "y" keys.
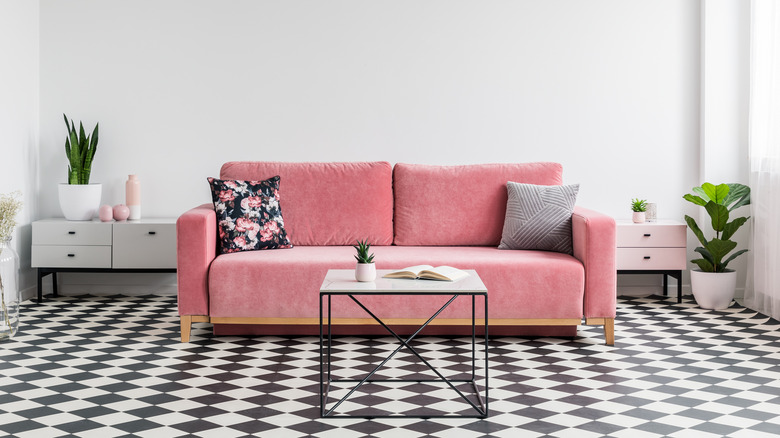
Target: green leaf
{"x": 700, "y": 192}
{"x": 704, "y": 265}
{"x": 732, "y": 257}
{"x": 739, "y": 195}
{"x": 719, "y": 214}
{"x": 706, "y": 254}
{"x": 730, "y": 228}
{"x": 696, "y": 230}
{"x": 716, "y": 193}
{"x": 719, "y": 248}
{"x": 695, "y": 199}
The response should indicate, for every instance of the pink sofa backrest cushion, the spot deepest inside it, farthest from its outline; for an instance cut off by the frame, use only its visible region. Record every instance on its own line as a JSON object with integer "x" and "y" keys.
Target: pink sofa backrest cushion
{"x": 459, "y": 205}
{"x": 328, "y": 203}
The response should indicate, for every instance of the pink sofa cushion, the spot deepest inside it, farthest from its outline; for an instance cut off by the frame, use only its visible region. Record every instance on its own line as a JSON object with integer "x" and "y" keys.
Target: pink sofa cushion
{"x": 459, "y": 205}
{"x": 279, "y": 284}
{"x": 328, "y": 203}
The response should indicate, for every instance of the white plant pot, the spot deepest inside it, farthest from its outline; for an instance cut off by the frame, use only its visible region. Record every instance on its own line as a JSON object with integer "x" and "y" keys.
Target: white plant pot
{"x": 638, "y": 217}
{"x": 713, "y": 290}
{"x": 80, "y": 202}
{"x": 365, "y": 272}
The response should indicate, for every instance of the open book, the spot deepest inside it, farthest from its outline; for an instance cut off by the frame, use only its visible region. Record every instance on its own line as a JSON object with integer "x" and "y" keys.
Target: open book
{"x": 428, "y": 272}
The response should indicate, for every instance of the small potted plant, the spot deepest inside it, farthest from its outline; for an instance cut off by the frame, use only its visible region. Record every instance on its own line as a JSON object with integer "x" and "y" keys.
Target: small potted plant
{"x": 639, "y": 207}
{"x": 79, "y": 200}
{"x": 365, "y": 269}
{"x": 712, "y": 284}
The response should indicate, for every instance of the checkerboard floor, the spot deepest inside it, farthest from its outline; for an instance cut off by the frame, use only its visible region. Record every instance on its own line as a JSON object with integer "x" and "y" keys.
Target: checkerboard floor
{"x": 114, "y": 367}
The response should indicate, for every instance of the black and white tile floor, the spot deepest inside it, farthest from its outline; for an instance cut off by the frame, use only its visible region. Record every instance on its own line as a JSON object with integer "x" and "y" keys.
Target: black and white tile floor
{"x": 114, "y": 367}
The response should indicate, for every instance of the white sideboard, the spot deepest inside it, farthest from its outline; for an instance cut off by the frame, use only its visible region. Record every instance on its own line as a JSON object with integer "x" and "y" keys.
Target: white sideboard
{"x": 59, "y": 245}
{"x": 652, "y": 248}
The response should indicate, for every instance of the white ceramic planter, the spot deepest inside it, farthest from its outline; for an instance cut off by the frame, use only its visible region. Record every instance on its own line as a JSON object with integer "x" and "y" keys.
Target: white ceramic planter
{"x": 365, "y": 272}
{"x": 638, "y": 217}
{"x": 713, "y": 290}
{"x": 80, "y": 202}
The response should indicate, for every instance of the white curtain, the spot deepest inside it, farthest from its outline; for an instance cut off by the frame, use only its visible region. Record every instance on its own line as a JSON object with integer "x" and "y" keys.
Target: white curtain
{"x": 763, "y": 285}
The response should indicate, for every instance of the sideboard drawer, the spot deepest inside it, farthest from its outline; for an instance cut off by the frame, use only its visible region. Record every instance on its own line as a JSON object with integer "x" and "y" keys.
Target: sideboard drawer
{"x": 650, "y": 235}
{"x": 144, "y": 245}
{"x": 71, "y": 256}
{"x": 648, "y": 259}
{"x": 47, "y": 232}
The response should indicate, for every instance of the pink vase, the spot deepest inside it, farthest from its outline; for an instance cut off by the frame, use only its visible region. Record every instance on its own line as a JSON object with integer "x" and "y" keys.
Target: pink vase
{"x": 133, "y": 197}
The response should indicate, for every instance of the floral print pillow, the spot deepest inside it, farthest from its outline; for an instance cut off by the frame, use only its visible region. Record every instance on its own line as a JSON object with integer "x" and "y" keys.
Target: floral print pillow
{"x": 248, "y": 215}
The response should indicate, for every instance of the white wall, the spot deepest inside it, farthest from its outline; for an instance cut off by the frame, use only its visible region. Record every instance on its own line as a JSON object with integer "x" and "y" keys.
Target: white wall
{"x": 19, "y": 107}
{"x": 725, "y": 83}
{"x": 608, "y": 88}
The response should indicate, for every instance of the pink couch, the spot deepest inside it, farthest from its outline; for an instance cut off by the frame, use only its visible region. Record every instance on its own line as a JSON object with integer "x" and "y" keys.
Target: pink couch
{"x": 412, "y": 214}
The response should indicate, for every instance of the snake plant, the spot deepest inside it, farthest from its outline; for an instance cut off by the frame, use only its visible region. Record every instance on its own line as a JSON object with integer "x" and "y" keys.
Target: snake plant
{"x": 80, "y": 150}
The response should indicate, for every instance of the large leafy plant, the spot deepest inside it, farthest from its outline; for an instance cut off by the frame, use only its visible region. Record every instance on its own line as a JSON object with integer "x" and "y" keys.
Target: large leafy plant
{"x": 80, "y": 150}
{"x": 718, "y": 201}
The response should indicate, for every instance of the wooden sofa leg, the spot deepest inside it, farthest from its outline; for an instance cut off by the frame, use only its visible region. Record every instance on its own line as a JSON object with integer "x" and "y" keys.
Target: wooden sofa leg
{"x": 186, "y": 326}
{"x": 609, "y": 330}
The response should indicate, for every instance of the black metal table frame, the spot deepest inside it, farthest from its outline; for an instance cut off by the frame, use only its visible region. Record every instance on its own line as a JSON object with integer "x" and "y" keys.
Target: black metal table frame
{"x": 674, "y": 273}
{"x": 481, "y": 410}
{"x": 42, "y": 272}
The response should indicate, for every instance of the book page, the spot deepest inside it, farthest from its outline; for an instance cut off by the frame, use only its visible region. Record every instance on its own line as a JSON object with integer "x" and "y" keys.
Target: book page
{"x": 410, "y": 272}
{"x": 447, "y": 273}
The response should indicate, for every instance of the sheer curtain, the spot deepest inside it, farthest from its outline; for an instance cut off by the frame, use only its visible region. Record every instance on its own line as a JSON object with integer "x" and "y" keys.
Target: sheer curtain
{"x": 763, "y": 286}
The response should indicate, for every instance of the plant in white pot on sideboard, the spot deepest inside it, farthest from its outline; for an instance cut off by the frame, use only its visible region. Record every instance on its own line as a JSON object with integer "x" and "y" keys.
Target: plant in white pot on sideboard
{"x": 713, "y": 284}
{"x": 365, "y": 270}
{"x": 79, "y": 200}
{"x": 638, "y": 207}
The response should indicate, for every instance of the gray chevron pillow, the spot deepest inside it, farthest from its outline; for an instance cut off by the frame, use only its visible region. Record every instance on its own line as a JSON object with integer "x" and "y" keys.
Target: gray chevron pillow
{"x": 539, "y": 217}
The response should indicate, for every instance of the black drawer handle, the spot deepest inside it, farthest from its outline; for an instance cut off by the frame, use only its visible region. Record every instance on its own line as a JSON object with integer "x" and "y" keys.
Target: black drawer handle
{"x": 71, "y": 232}
{"x": 71, "y": 255}
{"x": 647, "y": 257}
{"x": 647, "y": 235}
{"x": 152, "y": 233}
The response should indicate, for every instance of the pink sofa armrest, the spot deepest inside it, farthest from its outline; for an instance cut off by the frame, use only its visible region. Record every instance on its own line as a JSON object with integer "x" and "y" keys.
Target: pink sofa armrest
{"x": 593, "y": 236}
{"x": 196, "y": 248}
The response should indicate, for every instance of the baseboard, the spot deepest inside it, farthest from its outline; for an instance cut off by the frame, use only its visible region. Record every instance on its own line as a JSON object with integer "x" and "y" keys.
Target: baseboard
{"x": 119, "y": 289}
{"x": 29, "y": 293}
{"x": 130, "y": 284}
{"x": 643, "y": 291}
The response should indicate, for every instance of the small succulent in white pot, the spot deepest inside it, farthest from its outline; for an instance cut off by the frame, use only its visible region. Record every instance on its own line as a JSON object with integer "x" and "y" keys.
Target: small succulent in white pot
{"x": 365, "y": 270}
{"x": 638, "y": 207}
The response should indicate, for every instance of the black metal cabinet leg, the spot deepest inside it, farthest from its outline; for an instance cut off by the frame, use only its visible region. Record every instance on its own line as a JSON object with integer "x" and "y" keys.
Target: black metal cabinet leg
{"x": 40, "y": 286}
{"x": 54, "y": 283}
{"x": 679, "y": 287}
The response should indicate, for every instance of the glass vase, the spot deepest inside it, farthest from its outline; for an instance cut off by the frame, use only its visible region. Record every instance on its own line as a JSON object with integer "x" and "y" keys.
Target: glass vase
{"x": 9, "y": 289}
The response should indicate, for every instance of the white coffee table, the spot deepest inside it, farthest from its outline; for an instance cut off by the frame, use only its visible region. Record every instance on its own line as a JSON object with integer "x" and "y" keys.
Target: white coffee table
{"x": 341, "y": 282}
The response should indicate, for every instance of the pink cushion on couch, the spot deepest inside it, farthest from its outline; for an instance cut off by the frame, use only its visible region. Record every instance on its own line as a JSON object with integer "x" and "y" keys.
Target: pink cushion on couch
{"x": 459, "y": 205}
{"x": 328, "y": 203}
{"x": 521, "y": 284}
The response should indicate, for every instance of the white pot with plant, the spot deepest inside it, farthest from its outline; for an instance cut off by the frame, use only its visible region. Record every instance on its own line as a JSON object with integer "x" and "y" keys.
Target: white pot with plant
{"x": 713, "y": 285}
{"x": 638, "y": 207}
{"x": 365, "y": 270}
{"x": 79, "y": 200}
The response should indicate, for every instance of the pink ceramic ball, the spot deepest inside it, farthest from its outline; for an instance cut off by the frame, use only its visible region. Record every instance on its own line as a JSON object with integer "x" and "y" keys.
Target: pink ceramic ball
{"x": 105, "y": 213}
{"x": 121, "y": 212}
